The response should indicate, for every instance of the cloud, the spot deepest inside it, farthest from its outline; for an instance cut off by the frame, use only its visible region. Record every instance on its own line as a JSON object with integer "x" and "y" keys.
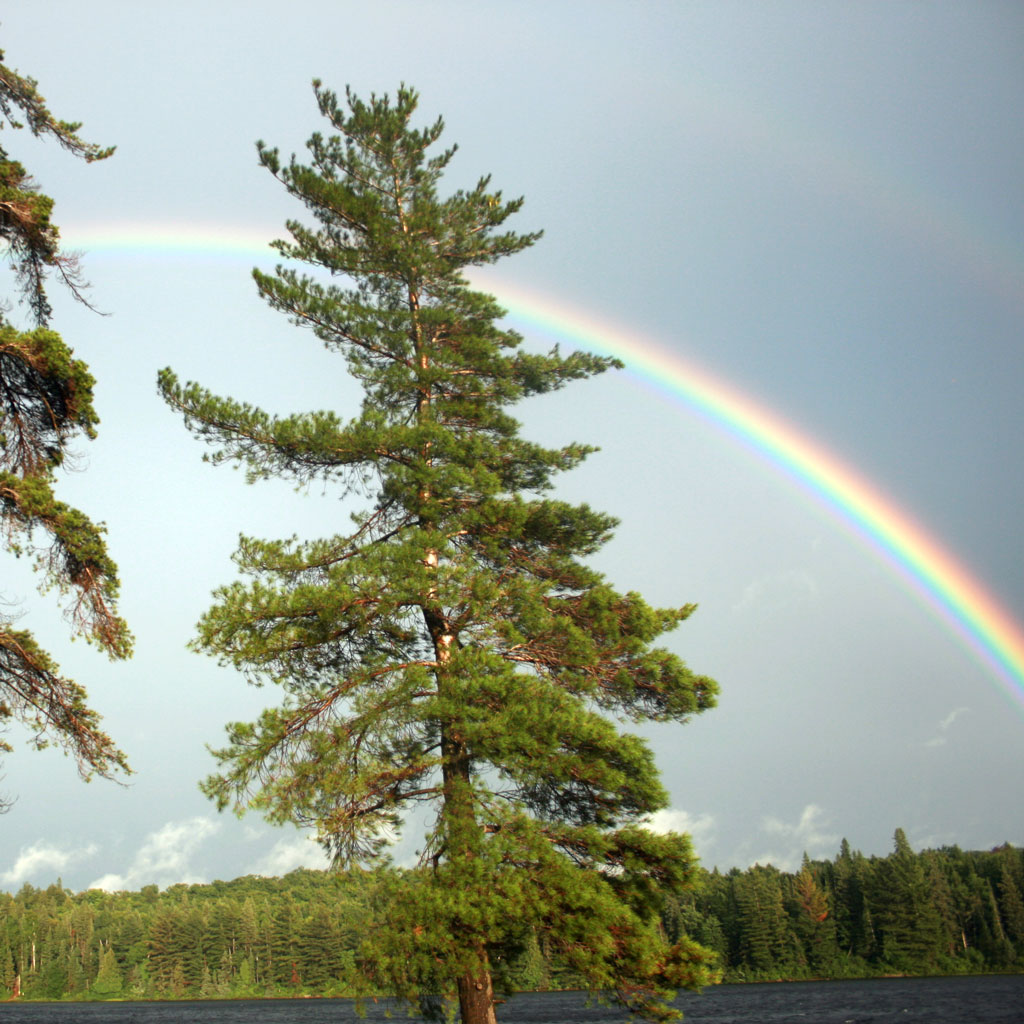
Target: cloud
{"x": 288, "y": 854}
{"x": 944, "y": 726}
{"x": 808, "y": 836}
{"x": 163, "y": 859}
{"x": 700, "y": 828}
{"x": 39, "y": 858}
{"x": 672, "y": 819}
{"x": 794, "y": 586}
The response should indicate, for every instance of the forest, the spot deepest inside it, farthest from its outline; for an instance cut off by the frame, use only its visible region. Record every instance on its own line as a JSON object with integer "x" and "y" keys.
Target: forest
{"x": 941, "y": 911}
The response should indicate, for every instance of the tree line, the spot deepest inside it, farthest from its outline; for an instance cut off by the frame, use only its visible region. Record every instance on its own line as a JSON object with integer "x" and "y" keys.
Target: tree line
{"x": 935, "y": 912}
{"x": 944, "y": 911}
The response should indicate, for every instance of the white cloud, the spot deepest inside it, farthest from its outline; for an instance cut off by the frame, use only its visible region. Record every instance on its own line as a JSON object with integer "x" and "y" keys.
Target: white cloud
{"x": 808, "y": 836}
{"x": 944, "y": 726}
{"x": 700, "y": 828}
{"x": 288, "y": 854}
{"x": 794, "y": 586}
{"x": 163, "y": 859}
{"x": 38, "y": 858}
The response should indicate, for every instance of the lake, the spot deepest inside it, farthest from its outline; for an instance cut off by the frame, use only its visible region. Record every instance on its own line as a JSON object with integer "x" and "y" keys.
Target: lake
{"x": 989, "y": 999}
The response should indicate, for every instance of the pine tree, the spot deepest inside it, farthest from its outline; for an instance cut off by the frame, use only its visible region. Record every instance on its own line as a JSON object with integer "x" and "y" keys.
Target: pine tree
{"x": 45, "y": 404}
{"x": 1011, "y": 903}
{"x": 318, "y": 951}
{"x": 942, "y": 900}
{"x": 248, "y": 929}
{"x": 453, "y": 648}
{"x": 1012, "y": 906}
{"x": 764, "y": 943}
{"x": 164, "y": 949}
{"x": 851, "y": 913}
{"x": 7, "y": 968}
{"x": 903, "y": 907}
{"x": 284, "y": 943}
{"x": 193, "y": 938}
{"x": 108, "y": 981}
{"x": 813, "y": 922}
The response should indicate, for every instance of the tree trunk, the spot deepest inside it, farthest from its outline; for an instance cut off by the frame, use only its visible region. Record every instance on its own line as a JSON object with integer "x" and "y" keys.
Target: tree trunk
{"x": 462, "y": 839}
{"x": 476, "y": 992}
{"x": 476, "y": 999}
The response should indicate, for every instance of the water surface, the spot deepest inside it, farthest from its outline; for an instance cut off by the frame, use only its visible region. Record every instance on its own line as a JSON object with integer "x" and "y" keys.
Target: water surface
{"x": 989, "y": 999}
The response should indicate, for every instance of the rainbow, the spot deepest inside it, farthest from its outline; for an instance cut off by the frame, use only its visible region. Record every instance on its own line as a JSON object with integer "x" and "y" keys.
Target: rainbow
{"x": 953, "y": 595}
{"x": 924, "y": 565}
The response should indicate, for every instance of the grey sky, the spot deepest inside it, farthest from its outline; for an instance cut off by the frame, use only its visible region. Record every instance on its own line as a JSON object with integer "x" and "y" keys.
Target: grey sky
{"x": 819, "y": 203}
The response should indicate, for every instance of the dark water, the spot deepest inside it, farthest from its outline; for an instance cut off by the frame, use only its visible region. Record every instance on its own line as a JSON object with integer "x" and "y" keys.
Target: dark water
{"x": 983, "y": 1000}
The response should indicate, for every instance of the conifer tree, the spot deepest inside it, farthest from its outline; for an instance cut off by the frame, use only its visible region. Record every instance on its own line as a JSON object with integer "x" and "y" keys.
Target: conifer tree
{"x": 904, "y": 907}
{"x": 45, "y": 404}
{"x": 453, "y": 648}
{"x": 1012, "y": 908}
{"x": 812, "y": 919}
{"x": 108, "y": 981}
{"x": 762, "y": 918}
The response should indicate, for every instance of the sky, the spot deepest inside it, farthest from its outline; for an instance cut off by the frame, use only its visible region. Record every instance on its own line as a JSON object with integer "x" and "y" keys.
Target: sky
{"x": 811, "y": 211}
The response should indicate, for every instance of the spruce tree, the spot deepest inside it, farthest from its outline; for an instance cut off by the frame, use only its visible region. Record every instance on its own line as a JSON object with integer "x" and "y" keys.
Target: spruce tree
{"x": 45, "y": 405}
{"x": 108, "y": 983}
{"x": 812, "y": 920}
{"x": 453, "y": 648}
{"x": 904, "y": 907}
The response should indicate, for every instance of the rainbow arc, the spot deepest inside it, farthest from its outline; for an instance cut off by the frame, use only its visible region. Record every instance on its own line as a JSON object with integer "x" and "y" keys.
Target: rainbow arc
{"x": 932, "y": 572}
{"x": 920, "y": 560}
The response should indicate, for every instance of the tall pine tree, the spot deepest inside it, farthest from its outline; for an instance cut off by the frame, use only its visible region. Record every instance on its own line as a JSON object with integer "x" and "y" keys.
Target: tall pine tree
{"x": 454, "y": 648}
{"x": 45, "y": 405}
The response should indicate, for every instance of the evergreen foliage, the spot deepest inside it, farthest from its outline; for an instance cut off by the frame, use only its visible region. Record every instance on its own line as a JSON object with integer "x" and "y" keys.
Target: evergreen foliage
{"x": 454, "y": 649}
{"x": 218, "y": 940}
{"x": 45, "y": 404}
{"x": 908, "y": 913}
